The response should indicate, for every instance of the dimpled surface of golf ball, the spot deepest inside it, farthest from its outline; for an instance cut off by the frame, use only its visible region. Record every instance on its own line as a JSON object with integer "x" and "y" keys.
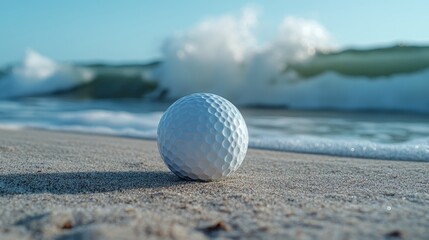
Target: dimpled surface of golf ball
{"x": 202, "y": 136}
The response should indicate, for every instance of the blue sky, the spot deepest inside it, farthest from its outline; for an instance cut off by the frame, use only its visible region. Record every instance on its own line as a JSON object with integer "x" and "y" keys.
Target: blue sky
{"x": 134, "y": 30}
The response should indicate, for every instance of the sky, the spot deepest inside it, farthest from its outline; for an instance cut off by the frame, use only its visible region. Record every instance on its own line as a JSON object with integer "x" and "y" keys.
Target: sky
{"x": 117, "y": 31}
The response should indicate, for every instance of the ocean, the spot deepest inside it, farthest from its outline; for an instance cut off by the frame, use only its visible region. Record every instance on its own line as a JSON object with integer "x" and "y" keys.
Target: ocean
{"x": 395, "y": 136}
{"x": 371, "y": 103}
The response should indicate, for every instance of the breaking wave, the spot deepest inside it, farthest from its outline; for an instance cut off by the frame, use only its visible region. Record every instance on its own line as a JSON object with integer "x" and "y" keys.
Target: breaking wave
{"x": 300, "y": 67}
{"x": 38, "y": 75}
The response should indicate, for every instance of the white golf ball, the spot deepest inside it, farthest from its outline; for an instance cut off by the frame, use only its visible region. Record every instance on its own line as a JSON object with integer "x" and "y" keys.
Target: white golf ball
{"x": 202, "y": 136}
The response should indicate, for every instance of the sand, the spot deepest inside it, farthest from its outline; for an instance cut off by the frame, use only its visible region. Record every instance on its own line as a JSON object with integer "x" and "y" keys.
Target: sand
{"x": 57, "y": 185}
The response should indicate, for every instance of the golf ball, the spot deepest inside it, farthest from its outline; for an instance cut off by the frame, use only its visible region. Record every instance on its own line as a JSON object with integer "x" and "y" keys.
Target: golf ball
{"x": 202, "y": 136}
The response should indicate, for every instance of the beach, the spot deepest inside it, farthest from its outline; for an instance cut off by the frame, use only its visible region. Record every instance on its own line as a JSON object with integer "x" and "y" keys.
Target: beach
{"x": 58, "y": 185}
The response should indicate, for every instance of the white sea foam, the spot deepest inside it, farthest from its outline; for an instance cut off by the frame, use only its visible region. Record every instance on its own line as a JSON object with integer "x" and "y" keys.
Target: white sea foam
{"x": 11, "y": 126}
{"x": 407, "y": 92}
{"x": 142, "y": 125}
{"x": 115, "y": 123}
{"x": 38, "y": 74}
{"x": 401, "y": 140}
{"x": 417, "y": 150}
{"x": 221, "y": 56}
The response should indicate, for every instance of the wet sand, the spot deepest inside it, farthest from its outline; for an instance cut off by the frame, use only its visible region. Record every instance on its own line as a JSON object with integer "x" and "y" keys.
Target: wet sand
{"x": 56, "y": 185}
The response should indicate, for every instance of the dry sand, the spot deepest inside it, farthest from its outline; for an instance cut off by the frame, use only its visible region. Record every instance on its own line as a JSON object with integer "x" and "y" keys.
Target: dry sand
{"x": 69, "y": 186}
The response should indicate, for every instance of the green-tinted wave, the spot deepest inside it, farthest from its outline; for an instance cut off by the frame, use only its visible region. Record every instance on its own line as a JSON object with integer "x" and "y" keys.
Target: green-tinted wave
{"x": 115, "y": 81}
{"x": 371, "y": 63}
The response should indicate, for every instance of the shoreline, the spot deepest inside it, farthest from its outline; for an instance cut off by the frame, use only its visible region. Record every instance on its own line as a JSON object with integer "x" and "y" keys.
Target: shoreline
{"x": 252, "y": 146}
{"x": 62, "y": 185}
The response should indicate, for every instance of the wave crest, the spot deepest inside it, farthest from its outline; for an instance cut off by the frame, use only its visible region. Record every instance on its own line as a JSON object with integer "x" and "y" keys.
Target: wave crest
{"x": 39, "y": 75}
{"x": 221, "y": 55}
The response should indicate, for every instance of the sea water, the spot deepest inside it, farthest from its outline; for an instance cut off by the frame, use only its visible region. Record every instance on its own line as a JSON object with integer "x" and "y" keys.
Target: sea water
{"x": 298, "y": 91}
{"x": 395, "y": 136}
